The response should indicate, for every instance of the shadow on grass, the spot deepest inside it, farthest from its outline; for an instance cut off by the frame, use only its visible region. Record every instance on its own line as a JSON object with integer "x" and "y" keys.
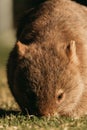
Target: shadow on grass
{"x": 4, "y": 113}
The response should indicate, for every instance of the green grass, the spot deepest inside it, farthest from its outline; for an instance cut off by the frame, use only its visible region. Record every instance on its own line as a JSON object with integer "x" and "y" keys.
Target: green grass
{"x": 11, "y": 117}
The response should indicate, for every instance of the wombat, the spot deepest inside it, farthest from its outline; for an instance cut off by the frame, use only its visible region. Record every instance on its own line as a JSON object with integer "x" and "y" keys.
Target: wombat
{"x": 47, "y": 68}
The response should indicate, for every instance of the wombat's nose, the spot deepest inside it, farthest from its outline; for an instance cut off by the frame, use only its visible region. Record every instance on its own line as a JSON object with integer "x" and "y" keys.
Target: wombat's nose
{"x": 47, "y": 113}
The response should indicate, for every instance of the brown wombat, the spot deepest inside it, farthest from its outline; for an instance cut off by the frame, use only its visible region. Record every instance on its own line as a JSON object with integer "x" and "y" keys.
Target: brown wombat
{"x": 47, "y": 68}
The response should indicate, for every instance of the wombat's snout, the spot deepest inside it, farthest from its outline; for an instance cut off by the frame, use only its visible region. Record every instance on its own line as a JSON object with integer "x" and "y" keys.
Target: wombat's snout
{"x": 44, "y": 112}
{"x": 47, "y": 112}
{"x": 39, "y": 106}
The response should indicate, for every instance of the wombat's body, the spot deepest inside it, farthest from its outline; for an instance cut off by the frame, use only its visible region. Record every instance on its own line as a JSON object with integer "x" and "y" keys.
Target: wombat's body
{"x": 47, "y": 69}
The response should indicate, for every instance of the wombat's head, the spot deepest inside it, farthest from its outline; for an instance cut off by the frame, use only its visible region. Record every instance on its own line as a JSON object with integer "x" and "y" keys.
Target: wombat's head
{"x": 49, "y": 77}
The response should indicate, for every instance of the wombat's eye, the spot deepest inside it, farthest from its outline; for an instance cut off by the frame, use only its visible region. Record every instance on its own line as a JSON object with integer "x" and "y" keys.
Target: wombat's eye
{"x": 60, "y": 96}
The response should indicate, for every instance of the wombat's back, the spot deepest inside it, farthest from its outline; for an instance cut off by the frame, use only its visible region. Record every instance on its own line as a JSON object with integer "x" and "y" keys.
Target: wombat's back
{"x": 53, "y": 15}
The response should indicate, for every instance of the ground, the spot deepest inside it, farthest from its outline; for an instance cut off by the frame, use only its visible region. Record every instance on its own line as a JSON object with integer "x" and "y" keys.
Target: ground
{"x": 11, "y": 117}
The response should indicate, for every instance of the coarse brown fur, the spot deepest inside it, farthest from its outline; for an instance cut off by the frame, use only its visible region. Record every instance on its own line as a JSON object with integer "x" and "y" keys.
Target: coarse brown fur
{"x": 47, "y": 68}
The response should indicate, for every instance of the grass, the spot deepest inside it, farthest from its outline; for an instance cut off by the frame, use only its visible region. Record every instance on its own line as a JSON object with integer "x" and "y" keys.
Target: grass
{"x": 11, "y": 117}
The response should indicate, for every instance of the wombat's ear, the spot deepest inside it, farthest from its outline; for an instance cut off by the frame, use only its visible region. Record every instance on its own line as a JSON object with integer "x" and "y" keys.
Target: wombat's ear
{"x": 22, "y": 48}
{"x": 71, "y": 52}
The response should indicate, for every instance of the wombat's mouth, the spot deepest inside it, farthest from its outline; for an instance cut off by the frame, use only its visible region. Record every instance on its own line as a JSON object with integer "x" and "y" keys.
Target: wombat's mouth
{"x": 36, "y": 111}
{"x": 41, "y": 112}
